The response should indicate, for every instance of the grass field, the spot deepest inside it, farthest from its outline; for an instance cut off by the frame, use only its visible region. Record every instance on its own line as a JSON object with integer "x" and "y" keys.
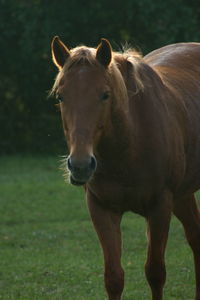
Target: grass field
{"x": 48, "y": 248}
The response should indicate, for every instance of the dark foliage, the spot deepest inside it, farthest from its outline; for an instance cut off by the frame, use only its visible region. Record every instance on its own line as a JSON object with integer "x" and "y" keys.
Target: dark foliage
{"x": 30, "y": 122}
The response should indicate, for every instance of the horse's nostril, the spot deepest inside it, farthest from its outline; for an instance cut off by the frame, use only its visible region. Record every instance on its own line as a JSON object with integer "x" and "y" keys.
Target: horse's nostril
{"x": 69, "y": 163}
{"x": 93, "y": 163}
{"x": 89, "y": 164}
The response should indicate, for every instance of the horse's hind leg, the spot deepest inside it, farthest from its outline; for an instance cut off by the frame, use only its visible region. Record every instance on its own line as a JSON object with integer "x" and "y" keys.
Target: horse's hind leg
{"x": 158, "y": 226}
{"x": 188, "y": 213}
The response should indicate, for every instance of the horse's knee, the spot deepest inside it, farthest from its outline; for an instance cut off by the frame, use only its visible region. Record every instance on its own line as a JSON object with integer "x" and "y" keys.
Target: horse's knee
{"x": 114, "y": 281}
{"x": 155, "y": 274}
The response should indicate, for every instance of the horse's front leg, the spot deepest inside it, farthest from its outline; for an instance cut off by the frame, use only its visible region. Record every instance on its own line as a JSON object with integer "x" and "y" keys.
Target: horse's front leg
{"x": 158, "y": 226}
{"x": 107, "y": 226}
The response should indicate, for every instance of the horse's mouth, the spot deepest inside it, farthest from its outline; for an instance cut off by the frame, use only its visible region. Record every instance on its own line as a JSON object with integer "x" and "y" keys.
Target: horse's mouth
{"x": 76, "y": 182}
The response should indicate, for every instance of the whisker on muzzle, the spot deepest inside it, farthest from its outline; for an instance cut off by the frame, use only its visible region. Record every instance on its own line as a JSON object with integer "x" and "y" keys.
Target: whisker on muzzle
{"x": 64, "y": 169}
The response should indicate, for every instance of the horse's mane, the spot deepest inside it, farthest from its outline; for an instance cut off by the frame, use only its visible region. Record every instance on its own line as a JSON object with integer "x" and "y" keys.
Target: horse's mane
{"x": 83, "y": 55}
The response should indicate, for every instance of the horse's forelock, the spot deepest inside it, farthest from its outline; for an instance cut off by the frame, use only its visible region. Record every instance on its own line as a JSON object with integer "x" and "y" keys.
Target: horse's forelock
{"x": 81, "y": 56}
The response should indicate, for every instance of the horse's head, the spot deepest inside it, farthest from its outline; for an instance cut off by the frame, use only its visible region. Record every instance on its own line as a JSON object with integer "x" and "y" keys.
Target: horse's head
{"x": 83, "y": 90}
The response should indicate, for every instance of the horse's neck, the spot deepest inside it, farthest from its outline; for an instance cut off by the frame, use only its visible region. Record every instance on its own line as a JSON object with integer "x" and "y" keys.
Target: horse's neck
{"x": 144, "y": 119}
{"x": 117, "y": 139}
{"x": 148, "y": 136}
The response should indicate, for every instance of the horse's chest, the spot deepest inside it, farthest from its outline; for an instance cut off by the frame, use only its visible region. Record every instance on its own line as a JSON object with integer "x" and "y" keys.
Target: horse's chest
{"x": 114, "y": 196}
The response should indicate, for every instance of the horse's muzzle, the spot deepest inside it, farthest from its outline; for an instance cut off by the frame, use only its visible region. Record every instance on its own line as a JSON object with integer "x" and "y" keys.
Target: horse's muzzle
{"x": 81, "y": 171}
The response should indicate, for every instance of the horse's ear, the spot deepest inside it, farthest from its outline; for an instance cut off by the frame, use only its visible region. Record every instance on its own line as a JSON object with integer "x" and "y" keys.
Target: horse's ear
{"x": 60, "y": 52}
{"x": 104, "y": 52}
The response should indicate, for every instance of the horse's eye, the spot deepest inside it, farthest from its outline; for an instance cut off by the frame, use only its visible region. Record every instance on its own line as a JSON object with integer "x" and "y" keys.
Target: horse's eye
{"x": 105, "y": 96}
{"x": 59, "y": 98}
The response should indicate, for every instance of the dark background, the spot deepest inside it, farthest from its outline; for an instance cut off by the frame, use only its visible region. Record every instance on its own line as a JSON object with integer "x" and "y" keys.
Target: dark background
{"x": 29, "y": 122}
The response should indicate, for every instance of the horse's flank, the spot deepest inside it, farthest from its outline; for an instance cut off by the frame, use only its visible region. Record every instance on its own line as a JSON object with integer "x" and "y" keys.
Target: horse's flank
{"x": 180, "y": 73}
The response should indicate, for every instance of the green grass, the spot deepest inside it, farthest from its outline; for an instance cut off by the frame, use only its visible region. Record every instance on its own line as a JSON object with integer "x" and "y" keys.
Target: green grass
{"x": 49, "y": 250}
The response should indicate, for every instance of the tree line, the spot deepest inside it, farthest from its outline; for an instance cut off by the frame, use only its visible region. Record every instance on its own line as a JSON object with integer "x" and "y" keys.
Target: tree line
{"x": 29, "y": 122}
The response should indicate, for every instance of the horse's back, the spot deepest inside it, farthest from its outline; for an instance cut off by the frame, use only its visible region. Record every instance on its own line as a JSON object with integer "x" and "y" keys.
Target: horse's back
{"x": 179, "y": 67}
{"x": 176, "y": 55}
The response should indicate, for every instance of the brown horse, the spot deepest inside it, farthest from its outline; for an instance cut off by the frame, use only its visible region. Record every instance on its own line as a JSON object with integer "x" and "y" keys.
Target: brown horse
{"x": 132, "y": 125}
